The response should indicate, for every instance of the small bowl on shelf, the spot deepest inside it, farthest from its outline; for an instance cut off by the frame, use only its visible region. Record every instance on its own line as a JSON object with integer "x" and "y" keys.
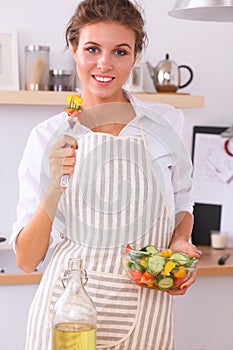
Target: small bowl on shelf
{"x": 157, "y": 268}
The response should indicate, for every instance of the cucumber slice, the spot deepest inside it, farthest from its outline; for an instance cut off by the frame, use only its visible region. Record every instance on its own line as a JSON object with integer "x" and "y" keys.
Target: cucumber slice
{"x": 134, "y": 266}
{"x": 134, "y": 257}
{"x": 181, "y": 258}
{"x": 193, "y": 262}
{"x": 166, "y": 282}
{"x": 137, "y": 255}
{"x": 155, "y": 264}
{"x": 150, "y": 249}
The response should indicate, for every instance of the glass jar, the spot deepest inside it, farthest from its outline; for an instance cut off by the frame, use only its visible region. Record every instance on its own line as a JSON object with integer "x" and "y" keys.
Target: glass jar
{"x": 37, "y": 67}
{"x": 74, "y": 315}
{"x": 60, "y": 80}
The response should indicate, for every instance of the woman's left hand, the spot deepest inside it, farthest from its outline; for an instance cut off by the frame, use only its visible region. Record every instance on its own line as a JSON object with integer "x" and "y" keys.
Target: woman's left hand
{"x": 191, "y": 250}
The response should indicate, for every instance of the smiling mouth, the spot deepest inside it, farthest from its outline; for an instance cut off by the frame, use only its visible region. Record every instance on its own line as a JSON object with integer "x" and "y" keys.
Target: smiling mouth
{"x": 102, "y": 79}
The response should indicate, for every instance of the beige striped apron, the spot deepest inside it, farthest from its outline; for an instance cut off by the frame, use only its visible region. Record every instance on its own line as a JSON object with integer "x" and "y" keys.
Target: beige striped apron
{"x": 113, "y": 198}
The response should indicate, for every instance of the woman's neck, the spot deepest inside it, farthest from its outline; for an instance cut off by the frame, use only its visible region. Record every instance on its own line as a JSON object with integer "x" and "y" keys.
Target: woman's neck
{"x": 90, "y": 100}
{"x": 108, "y": 117}
{"x": 113, "y": 128}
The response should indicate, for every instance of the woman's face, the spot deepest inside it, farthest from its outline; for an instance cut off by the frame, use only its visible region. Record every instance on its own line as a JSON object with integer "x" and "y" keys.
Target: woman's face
{"x": 104, "y": 58}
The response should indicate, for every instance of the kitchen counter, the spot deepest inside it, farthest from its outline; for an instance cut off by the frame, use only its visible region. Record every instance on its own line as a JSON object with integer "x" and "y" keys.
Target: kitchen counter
{"x": 207, "y": 266}
{"x": 20, "y": 278}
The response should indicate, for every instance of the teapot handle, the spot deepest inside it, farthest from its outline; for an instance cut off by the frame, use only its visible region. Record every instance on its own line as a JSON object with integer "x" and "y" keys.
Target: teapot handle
{"x": 190, "y": 78}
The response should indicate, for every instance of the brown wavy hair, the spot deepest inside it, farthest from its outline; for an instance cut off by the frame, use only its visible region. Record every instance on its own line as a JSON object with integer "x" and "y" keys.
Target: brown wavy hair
{"x": 122, "y": 12}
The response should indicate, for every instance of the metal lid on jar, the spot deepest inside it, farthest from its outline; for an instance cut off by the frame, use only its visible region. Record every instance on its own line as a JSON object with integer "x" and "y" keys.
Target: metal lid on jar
{"x": 37, "y": 48}
{"x": 60, "y": 72}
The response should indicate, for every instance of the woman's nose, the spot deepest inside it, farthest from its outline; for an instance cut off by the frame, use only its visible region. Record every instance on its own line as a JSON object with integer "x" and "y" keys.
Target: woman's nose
{"x": 104, "y": 62}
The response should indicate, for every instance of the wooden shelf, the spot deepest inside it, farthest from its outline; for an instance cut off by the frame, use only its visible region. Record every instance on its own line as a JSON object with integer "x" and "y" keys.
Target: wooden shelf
{"x": 175, "y": 99}
{"x": 53, "y": 98}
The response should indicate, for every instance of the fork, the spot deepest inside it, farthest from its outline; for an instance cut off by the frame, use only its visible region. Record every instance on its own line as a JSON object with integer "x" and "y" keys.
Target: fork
{"x": 73, "y": 109}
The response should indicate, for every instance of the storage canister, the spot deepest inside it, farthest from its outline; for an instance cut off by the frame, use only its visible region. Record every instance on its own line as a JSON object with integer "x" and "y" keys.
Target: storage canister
{"x": 37, "y": 67}
{"x": 61, "y": 80}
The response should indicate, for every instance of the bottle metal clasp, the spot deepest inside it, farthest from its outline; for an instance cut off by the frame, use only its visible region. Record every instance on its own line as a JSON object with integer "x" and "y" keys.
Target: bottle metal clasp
{"x": 65, "y": 277}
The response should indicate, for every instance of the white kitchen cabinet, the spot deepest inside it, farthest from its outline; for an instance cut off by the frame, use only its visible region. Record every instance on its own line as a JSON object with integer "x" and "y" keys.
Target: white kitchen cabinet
{"x": 14, "y": 305}
{"x": 17, "y": 290}
{"x": 204, "y": 316}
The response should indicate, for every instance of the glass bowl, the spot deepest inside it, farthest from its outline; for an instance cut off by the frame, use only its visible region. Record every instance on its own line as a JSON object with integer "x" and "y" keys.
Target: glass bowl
{"x": 157, "y": 268}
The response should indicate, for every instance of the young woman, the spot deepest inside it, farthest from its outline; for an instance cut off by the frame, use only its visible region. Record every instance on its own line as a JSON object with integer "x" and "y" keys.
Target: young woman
{"x": 129, "y": 181}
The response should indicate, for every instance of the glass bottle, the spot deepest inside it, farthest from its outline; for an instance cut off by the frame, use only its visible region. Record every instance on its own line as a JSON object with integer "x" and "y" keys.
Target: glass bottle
{"x": 74, "y": 315}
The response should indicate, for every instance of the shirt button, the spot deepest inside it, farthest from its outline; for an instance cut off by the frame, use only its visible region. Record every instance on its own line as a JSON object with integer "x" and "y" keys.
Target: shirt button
{"x": 62, "y": 235}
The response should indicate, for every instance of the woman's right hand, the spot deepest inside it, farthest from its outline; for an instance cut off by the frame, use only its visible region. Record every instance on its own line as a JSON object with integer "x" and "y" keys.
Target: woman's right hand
{"x": 62, "y": 160}
{"x": 33, "y": 240}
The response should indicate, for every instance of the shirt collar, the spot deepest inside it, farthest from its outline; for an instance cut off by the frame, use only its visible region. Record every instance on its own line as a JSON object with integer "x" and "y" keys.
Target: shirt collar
{"x": 143, "y": 119}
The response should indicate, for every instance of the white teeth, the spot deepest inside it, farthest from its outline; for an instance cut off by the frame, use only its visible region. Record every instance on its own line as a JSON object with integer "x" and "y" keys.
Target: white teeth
{"x": 103, "y": 79}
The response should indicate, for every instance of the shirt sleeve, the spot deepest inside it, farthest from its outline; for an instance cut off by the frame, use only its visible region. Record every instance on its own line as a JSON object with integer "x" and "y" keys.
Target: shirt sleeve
{"x": 30, "y": 186}
{"x": 170, "y": 157}
{"x": 174, "y": 116}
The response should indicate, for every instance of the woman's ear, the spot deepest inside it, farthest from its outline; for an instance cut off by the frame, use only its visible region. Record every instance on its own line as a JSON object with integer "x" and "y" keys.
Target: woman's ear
{"x": 135, "y": 59}
{"x": 74, "y": 54}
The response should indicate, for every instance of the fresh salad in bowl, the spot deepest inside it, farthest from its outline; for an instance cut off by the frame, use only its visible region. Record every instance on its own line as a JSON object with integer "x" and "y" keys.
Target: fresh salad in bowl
{"x": 155, "y": 268}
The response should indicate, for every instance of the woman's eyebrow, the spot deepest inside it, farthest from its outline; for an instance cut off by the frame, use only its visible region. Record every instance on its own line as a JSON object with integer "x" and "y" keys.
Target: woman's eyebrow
{"x": 97, "y": 44}
{"x": 124, "y": 44}
{"x": 91, "y": 43}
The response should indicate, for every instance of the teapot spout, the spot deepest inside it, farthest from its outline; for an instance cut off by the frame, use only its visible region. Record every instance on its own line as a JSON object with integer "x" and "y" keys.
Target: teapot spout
{"x": 151, "y": 69}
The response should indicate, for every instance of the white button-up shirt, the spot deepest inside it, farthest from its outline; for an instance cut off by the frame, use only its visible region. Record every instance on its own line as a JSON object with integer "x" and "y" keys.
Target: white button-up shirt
{"x": 159, "y": 124}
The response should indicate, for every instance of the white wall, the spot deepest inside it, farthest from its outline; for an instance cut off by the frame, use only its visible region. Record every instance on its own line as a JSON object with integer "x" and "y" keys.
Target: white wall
{"x": 208, "y": 49}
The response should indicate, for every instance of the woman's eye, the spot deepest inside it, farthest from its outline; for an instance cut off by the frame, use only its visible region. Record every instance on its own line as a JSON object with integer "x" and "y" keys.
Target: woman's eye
{"x": 92, "y": 49}
{"x": 120, "y": 52}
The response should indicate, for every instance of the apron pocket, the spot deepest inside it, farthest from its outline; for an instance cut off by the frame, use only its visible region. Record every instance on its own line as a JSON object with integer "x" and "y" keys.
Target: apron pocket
{"x": 117, "y": 302}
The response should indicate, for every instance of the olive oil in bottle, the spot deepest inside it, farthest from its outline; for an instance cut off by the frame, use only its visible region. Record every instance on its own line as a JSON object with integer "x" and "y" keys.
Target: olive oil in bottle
{"x": 74, "y": 315}
{"x": 73, "y": 336}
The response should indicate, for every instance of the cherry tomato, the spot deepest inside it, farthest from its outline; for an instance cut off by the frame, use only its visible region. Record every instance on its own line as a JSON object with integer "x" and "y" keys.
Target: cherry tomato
{"x": 128, "y": 248}
{"x": 137, "y": 275}
{"x": 147, "y": 278}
